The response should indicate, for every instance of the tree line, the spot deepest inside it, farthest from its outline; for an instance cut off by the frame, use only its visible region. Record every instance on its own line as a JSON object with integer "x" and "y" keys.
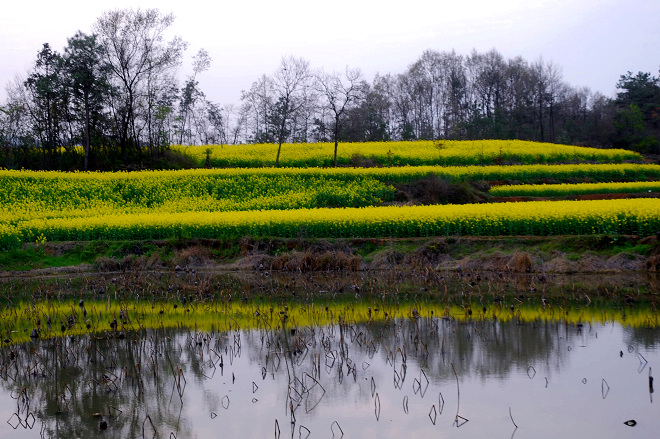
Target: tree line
{"x": 115, "y": 95}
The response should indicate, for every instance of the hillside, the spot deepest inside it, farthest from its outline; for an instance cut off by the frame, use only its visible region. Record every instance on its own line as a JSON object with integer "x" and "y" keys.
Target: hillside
{"x": 227, "y": 205}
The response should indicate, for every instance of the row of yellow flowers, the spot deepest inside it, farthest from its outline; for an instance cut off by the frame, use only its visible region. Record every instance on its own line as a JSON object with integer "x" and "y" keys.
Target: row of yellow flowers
{"x": 118, "y": 182}
{"x": 44, "y": 194}
{"x": 634, "y": 216}
{"x": 400, "y": 153}
{"x": 567, "y": 189}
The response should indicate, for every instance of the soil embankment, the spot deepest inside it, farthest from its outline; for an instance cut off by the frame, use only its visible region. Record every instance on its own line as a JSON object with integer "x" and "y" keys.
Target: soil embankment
{"x": 518, "y": 254}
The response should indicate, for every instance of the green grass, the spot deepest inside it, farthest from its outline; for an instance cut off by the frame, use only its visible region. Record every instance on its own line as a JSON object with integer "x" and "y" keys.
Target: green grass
{"x": 32, "y": 257}
{"x": 21, "y": 259}
{"x": 166, "y": 254}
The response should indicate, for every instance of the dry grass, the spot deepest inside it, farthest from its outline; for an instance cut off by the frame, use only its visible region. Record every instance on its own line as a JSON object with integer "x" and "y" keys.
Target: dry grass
{"x": 308, "y": 260}
{"x": 520, "y": 262}
{"x": 130, "y": 262}
{"x": 194, "y": 256}
{"x": 386, "y": 260}
{"x": 626, "y": 262}
{"x": 560, "y": 264}
{"x": 653, "y": 261}
{"x": 360, "y": 161}
{"x": 434, "y": 252}
{"x": 105, "y": 264}
{"x": 253, "y": 262}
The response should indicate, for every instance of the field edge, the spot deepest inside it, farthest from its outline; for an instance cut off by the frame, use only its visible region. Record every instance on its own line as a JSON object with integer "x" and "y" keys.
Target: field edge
{"x": 505, "y": 254}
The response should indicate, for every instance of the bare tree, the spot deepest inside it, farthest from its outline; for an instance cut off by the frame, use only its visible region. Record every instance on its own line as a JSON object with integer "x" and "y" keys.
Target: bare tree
{"x": 15, "y": 121}
{"x": 289, "y": 84}
{"x": 486, "y": 74}
{"x": 191, "y": 95}
{"x": 257, "y": 103}
{"x": 218, "y": 124}
{"x": 158, "y": 103}
{"x": 541, "y": 94}
{"x": 136, "y": 50}
{"x": 339, "y": 93}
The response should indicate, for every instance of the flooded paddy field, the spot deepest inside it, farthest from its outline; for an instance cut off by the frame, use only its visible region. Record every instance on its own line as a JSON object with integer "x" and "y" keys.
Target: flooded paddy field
{"x": 201, "y": 354}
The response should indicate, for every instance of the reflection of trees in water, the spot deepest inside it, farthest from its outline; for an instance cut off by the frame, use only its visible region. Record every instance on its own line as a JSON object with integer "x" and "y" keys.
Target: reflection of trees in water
{"x": 139, "y": 373}
{"x": 636, "y": 338}
{"x": 69, "y": 380}
{"x": 482, "y": 348}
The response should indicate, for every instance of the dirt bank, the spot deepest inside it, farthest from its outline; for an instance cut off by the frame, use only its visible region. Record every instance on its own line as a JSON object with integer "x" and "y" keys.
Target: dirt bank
{"x": 519, "y": 254}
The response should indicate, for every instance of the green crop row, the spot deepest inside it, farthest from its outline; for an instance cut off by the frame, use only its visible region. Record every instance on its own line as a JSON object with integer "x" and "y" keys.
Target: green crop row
{"x": 564, "y": 189}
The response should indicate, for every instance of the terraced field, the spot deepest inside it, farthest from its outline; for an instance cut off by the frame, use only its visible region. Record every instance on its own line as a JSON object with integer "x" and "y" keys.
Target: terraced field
{"x": 417, "y": 153}
{"x": 337, "y": 202}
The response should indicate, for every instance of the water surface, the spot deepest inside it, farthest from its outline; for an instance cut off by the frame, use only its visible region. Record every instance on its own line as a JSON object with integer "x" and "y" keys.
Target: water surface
{"x": 384, "y": 378}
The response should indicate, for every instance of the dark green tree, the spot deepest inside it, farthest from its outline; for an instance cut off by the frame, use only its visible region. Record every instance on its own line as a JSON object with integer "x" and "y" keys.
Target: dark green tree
{"x": 367, "y": 121}
{"x": 638, "y": 112}
{"x": 47, "y": 98}
{"x": 642, "y": 90}
{"x": 630, "y": 125}
{"x": 87, "y": 77}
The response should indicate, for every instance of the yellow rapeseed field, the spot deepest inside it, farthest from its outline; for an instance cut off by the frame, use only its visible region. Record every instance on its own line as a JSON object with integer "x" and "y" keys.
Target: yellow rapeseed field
{"x": 319, "y": 202}
{"x": 566, "y": 189}
{"x": 634, "y": 216}
{"x": 402, "y": 153}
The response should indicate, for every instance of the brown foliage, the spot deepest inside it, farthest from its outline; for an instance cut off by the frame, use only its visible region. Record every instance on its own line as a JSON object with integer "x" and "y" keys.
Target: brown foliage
{"x": 195, "y": 256}
{"x": 520, "y": 263}
{"x": 434, "y": 190}
{"x": 308, "y": 260}
{"x": 653, "y": 263}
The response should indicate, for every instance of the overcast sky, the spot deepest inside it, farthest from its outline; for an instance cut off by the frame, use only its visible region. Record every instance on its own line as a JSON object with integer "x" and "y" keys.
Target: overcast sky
{"x": 593, "y": 41}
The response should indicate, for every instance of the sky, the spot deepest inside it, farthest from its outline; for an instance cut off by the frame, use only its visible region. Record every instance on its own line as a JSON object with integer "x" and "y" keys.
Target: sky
{"x": 593, "y": 42}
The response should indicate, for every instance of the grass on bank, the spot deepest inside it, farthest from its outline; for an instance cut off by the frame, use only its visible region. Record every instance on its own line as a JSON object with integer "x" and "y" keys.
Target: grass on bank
{"x": 317, "y": 254}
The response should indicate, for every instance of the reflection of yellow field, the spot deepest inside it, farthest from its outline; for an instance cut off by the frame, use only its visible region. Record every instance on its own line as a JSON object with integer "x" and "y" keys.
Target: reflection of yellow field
{"x": 132, "y": 315}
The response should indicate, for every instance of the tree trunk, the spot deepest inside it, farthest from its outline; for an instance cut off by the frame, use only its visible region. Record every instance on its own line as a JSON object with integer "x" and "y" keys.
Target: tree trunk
{"x": 280, "y": 136}
{"x": 277, "y": 159}
{"x": 86, "y": 132}
{"x": 336, "y": 137}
